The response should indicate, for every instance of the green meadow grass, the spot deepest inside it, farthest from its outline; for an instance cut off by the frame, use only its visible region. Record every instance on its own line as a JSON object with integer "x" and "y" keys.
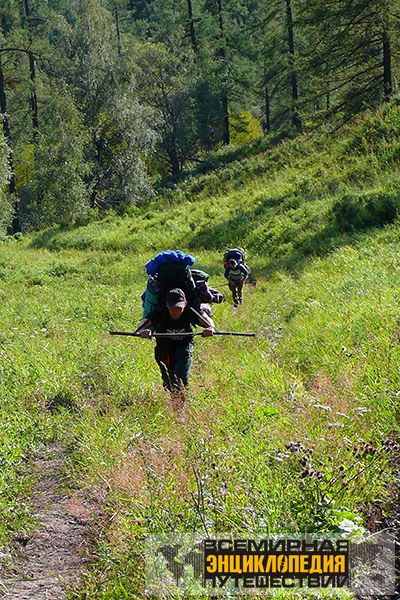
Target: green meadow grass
{"x": 274, "y": 434}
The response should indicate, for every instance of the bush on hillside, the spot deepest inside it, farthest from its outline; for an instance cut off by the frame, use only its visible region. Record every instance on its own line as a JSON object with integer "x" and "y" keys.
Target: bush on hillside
{"x": 363, "y": 210}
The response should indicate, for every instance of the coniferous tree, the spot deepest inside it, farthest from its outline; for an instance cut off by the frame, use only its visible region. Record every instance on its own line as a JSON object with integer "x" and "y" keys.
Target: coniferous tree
{"x": 349, "y": 52}
{"x": 296, "y": 120}
{"x": 28, "y": 24}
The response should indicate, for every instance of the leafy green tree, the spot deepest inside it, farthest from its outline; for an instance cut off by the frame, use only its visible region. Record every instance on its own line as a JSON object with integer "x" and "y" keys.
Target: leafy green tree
{"x": 166, "y": 86}
{"x": 120, "y": 129}
{"x": 59, "y": 191}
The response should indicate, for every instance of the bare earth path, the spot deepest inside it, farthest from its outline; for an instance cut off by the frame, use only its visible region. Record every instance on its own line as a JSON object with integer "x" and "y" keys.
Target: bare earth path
{"x": 58, "y": 552}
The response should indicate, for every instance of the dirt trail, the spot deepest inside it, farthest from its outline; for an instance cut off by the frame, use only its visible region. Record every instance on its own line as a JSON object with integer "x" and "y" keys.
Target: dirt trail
{"x": 58, "y": 552}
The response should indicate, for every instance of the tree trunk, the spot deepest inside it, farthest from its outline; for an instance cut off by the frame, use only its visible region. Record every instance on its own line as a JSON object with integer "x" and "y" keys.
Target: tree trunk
{"x": 32, "y": 74}
{"x": 193, "y": 37}
{"x": 226, "y": 126}
{"x": 328, "y": 97}
{"x": 12, "y": 185}
{"x": 296, "y": 120}
{"x": 116, "y": 15}
{"x": 173, "y": 158}
{"x": 202, "y": 110}
{"x": 387, "y": 66}
{"x": 224, "y": 97}
{"x": 96, "y": 177}
{"x": 267, "y": 116}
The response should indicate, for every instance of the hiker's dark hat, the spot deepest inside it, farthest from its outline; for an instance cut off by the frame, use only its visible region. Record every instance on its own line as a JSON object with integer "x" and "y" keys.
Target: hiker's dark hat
{"x": 176, "y": 297}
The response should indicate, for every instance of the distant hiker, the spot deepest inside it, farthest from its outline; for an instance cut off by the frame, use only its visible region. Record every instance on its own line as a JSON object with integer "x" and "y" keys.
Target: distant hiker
{"x": 236, "y": 275}
{"x": 236, "y": 272}
{"x": 174, "y": 354}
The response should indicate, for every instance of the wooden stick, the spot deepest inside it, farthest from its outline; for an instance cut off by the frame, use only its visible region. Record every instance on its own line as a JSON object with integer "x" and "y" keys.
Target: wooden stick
{"x": 183, "y": 334}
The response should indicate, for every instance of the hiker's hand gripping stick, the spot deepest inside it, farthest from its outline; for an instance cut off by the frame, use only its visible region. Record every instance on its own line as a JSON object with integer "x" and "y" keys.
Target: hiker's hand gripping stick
{"x": 145, "y": 333}
{"x": 207, "y": 332}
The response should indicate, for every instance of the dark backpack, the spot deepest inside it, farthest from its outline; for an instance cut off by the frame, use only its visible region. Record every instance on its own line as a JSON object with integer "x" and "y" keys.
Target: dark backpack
{"x": 204, "y": 293}
{"x": 168, "y": 270}
{"x": 237, "y": 254}
{"x": 199, "y": 275}
{"x": 175, "y": 275}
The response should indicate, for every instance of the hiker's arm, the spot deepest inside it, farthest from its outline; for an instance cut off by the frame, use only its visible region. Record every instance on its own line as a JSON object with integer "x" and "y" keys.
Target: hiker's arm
{"x": 245, "y": 271}
{"x": 208, "y": 331}
{"x": 149, "y": 322}
{"x": 202, "y": 319}
{"x": 146, "y": 328}
{"x": 143, "y": 324}
{"x": 210, "y": 327}
{"x": 226, "y": 274}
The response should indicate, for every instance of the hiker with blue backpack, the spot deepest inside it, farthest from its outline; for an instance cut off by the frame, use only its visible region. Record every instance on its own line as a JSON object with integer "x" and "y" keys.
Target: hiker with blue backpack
{"x": 175, "y": 301}
{"x": 174, "y": 353}
{"x": 236, "y": 272}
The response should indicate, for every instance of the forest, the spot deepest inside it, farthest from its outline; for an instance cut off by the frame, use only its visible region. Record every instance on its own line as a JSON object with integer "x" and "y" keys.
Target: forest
{"x": 105, "y": 103}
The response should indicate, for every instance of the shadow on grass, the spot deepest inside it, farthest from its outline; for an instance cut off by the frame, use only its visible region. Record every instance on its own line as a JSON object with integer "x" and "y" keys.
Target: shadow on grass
{"x": 45, "y": 238}
{"x": 215, "y": 160}
{"x": 343, "y": 224}
{"x": 287, "y": 239}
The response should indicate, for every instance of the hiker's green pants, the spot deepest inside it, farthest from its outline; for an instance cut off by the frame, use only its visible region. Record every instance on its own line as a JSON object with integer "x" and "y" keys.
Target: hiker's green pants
{"x": 175, "y": 362}
{"x": 236, "y": 288}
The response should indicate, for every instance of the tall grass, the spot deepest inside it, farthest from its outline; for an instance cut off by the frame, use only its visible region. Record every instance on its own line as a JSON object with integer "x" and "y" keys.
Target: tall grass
{"x": 292, "y": 431}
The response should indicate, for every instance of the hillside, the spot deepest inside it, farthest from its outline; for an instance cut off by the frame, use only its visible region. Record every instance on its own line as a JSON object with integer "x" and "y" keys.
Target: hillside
{"x": 293, "y": 431}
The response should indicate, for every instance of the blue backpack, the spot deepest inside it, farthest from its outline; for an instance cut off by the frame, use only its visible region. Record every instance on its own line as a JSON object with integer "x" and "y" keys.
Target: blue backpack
{"x": 167, "y": 270}
{"x": 168, "y": 256}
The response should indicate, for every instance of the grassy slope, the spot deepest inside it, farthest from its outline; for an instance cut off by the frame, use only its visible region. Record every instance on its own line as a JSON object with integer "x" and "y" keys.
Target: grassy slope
{"x": 323, "y": 370}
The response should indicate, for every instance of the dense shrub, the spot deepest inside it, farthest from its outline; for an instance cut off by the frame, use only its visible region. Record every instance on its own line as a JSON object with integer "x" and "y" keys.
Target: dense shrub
{"x": 363, "y": 210}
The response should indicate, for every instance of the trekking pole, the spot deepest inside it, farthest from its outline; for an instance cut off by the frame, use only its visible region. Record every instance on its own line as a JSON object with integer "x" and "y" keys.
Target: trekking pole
{"x": 182, "y": 334}
{"x": 237, "y": 333}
